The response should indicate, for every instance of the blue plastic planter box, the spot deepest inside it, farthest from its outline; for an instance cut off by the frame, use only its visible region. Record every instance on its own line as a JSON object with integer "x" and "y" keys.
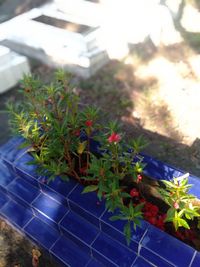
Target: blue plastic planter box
{"x": 75, "y": 228}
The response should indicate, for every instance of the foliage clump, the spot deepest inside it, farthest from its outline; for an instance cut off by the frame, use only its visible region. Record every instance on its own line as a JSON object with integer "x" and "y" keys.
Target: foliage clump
{"x": 66, "y": 139}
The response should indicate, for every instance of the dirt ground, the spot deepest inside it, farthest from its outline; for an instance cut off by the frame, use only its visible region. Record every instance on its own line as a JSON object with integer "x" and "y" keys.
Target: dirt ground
{"x": 154, "y": 92}
{"x": 16, "y": 250}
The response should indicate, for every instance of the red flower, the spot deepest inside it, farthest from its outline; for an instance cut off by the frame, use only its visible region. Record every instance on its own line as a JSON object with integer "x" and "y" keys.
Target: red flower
{"x": 83, "y": 170}
{"x": 139, "y": 178}
{"x": 160, "y": 222}
{"x": 150, "y": 208}
{"x": 114, "y": 138}
{"x": 152, "y": 220}
{"x": 89, "y": 123}
{"x": 176, "y": 205}
{"x": 147, "y": 214}
{"x": 179, "y": 235}
{"x": 189, "y": 234}
{"x": 134, "y": 193}
{"x": 77, "y": 132}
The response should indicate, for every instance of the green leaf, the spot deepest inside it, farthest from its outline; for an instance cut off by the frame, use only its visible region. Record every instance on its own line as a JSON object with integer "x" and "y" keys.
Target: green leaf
{"x": 81, "y": 147}
{"x": 24, "y": 145}
{"x": 127, "y": 232}
{"x": 139, "y": 207}
{"x": 191, "y": 213}
{"x": 124, "y": 194}
{"x": 182, "y": 222}
{"x": 170, "y": 215}
{"x": 64, "y": 177}
{"x": 116, "y": 217}
{"x": 198, "y": 224}
{"x": 90, "y": 188}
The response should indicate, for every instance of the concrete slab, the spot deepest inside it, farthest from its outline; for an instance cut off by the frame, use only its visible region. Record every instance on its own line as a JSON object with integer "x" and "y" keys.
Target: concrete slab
{"x": 5, "y": 55}
{"x": 56, "y": 38}
{"x": 12, "y": 68}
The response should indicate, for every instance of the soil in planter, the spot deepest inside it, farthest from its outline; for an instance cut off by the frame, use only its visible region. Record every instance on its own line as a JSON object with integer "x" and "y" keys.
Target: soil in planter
{"x": 155, "y": 210}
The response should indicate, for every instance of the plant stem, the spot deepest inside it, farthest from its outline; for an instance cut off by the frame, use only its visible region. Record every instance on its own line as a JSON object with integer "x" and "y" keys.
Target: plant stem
{"x": 79, "y": 162}
{"x": 87, "y": 154}
{"x": 69, "y": 160}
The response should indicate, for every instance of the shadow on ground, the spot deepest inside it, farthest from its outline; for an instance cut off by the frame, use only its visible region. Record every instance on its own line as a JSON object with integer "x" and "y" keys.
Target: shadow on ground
{"x": 116, "y": 91}
{"x": 10, "y": 8}
{"x": 16, "y": 250}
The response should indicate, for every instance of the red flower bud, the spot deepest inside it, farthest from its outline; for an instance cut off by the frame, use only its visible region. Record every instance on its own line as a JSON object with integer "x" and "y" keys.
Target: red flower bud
{"x": 77, "y": 132}
{"x": 114, "y": 138}
{"x": 180, "y": 235}
{"x": 139, "y": 178}
{"x": 134, "y": 193}
{"x": 89, "y": 123}
{"x": 176, "y": 205}
{"x": 83, "y": 170}
{"x": 50, "y": 100}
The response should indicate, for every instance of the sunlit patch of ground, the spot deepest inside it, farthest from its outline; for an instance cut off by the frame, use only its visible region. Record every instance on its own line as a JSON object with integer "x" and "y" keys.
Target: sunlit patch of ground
{"x": 191, "y": 18}
{"x": 170, "y": 104}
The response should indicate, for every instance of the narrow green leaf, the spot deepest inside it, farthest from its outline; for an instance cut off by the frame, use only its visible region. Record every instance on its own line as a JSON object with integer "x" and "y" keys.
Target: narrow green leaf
{"x": 127, "y": 232}
{"x": 90, "y": 188}
{"x": 171, "y": 213}
{"x": 115, "y": 217}
{"x": 182, "y": 222}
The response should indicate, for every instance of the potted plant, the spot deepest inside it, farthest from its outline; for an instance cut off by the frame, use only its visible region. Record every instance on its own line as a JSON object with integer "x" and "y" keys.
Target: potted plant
{"x": 65, "y": 139}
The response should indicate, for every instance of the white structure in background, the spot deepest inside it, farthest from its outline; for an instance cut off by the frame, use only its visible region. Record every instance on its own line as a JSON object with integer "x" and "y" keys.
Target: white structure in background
{"x": 131, "y": 21}
{"x": 94, "y": 32}
{"x": 191, "y": 25}
{"x": 12, "y": 68}
{"x": 74, "y": 47}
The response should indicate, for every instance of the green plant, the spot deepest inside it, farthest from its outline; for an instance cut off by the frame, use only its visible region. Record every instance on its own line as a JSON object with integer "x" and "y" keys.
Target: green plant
{"x": 180, "y": 202}
{"x": 59, "y": 132}
{"x": 50, "y": 121}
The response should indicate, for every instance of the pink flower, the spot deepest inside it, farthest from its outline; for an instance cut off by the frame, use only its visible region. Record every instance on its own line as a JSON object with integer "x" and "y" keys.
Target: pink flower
{"x": 176, "y": 205}
{"x": 134, "y": 193}
{"x": 139, "y": 178}
{"x": 77, "y": 132}
{"x": 43, "y": 181}
{"x": 50, "y": 100}
{"x": 89, "y": 123}
{"x": 114, "y": 138}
